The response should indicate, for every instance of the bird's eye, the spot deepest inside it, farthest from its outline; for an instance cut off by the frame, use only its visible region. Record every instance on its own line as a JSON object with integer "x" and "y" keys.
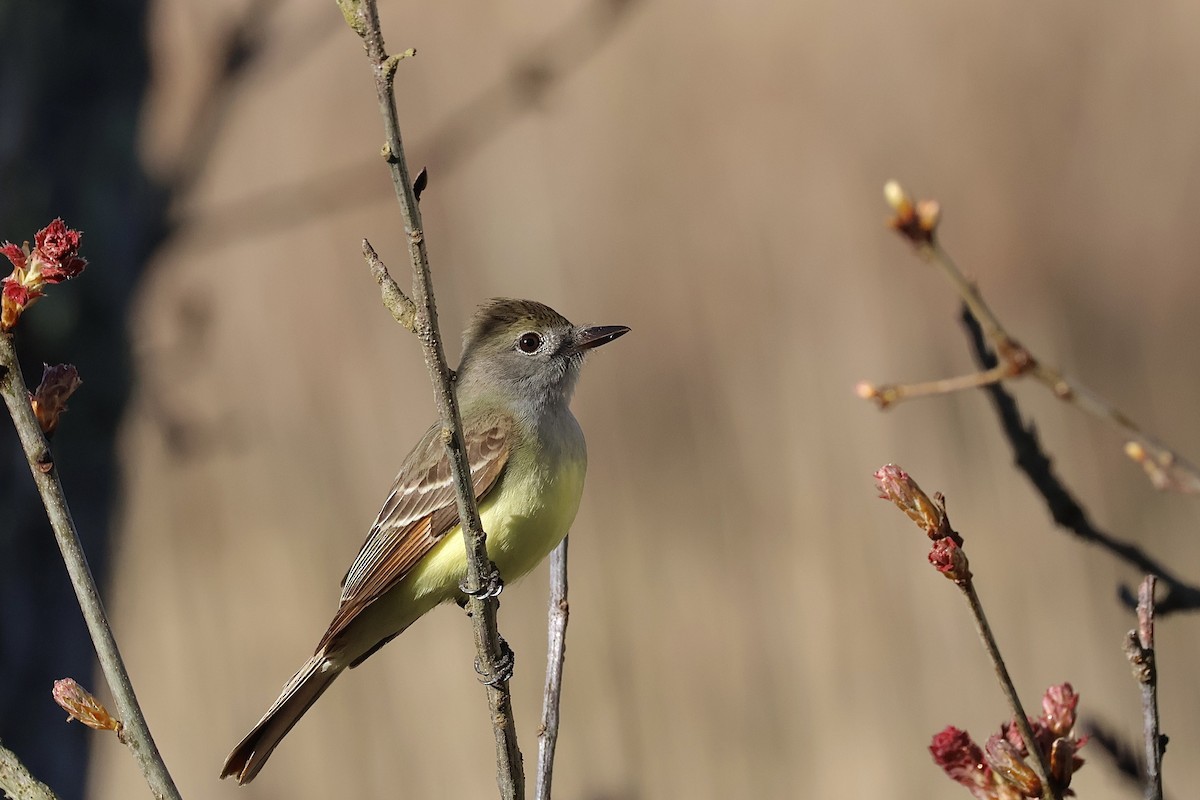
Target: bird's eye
{"x": 529, "y": 342}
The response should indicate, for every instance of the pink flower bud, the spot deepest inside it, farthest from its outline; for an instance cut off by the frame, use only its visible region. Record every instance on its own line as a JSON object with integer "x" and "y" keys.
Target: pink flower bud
{"x": 1058, "y": 708}
{"x": 895, "y": 484}
{"x": 81, "y": 705}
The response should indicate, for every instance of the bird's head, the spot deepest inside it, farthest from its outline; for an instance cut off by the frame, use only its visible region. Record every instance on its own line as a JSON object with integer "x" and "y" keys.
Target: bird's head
{"x": 527, "y": 351}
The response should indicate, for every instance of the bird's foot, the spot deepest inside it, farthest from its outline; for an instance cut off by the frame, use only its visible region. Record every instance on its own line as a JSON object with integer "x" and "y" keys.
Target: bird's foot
{"x": 504, "y": 667}
{"x": 492, "y": 585}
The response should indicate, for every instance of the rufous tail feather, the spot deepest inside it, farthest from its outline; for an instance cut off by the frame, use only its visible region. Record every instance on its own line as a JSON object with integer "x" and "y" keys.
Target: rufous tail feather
{"x": 300, "y": 692}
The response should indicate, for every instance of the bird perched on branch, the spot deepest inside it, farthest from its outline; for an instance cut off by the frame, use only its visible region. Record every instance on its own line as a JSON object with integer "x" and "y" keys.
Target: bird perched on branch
{"x": 527, "y": 457}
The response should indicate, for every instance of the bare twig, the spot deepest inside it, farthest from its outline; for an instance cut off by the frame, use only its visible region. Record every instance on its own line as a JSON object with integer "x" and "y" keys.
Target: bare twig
{"x": 918, "y": 221}
{"x": 1040, "y": 765}
{"x": 556, "y": 653}
{"x": 16, "y": 781}
{"x": 363, "y": 18}
{"x": 45, "y": 476}
{"x": 1066, "y": 510}
{"x": 889, "y": 394}
{"x": 1139, "y": 648}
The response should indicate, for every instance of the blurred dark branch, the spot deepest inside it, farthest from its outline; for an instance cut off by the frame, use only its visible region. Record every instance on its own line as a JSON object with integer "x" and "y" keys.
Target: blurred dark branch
{"x": 1066, "y": 511}
{"x": 526, "y": 83}
{"x": 556, "y": 654}
{"x": 1139, "y": 649}
{"x": 469, "y": 127}
{"x": 240, "y": 47}
{"x": 494, "y": 659}
{"x": 45, "y": 476}
{"x": 17, "y": 783}
{"x": 243, "y": 45}
{"x": 1125, "y": 756}
{"x": 917, "y": 221}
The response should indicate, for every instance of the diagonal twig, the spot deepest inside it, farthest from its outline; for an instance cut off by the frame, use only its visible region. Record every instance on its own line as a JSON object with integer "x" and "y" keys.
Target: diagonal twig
{"x": 45, "y": 476}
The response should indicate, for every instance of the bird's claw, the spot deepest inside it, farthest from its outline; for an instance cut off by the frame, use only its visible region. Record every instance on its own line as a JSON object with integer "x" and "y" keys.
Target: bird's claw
{"x": 491, "y": 586}
{"x": 504, "y": 667}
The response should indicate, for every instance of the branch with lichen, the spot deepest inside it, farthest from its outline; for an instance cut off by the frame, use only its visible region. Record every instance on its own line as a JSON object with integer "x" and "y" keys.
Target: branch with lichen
{"x": 494, "y": 659}
{"x": 1000, "y": 769}
{"x": 917, "y": 221}
{"x": 53, "y": 259}
{"x": 16, "y": 781}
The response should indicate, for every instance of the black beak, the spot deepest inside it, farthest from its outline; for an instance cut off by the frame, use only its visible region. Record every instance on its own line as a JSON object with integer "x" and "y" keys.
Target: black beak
{"x": 587, "y": 338}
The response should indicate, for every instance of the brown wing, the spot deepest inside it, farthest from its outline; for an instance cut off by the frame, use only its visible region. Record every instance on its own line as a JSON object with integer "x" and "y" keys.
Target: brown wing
{"x": 420, "y": 510}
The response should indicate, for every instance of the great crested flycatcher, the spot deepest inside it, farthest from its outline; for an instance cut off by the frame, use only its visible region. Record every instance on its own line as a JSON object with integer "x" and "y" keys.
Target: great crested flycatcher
{"x": 527, "y": 456}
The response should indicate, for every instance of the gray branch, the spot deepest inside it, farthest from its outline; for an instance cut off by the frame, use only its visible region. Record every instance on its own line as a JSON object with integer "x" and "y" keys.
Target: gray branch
{"x": 1139, "y": 648}
{"x": 45, "y": 476}
{"x": 556, "y": 654}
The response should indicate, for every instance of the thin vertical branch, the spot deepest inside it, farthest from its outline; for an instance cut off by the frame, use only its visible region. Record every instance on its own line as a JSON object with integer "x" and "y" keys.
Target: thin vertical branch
{"x": 45, "y": 476}
{"x": 494, "y": 659}
{"x": 1139, "y": 647}
{"x": 556, "y": 654}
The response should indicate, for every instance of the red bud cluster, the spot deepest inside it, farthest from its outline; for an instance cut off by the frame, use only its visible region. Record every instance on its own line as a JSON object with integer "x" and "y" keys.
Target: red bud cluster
{"x": 999, "y": 771}
{"x": 54, "y": 258}
{"x": 946, "y": 554}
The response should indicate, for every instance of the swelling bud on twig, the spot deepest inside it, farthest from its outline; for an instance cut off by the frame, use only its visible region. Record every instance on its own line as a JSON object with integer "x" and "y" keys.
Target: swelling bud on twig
{"x": 896, "y": 485}
{"x": 49, "y": 401}
{"x": 917, "y": 220}
{"x": 1007, "y": 761}
{"x": 950, "y": 560}
{"x": 1166, "y": 470}
{"x": 54, "y": 258}
{"x": 81, "y": 705}
{"x": 1058, "y": 709}
{"x": 946, "y": 554}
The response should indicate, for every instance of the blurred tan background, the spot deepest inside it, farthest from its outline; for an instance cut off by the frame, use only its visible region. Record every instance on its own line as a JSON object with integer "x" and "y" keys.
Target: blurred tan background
{"x": 747, "y": 619}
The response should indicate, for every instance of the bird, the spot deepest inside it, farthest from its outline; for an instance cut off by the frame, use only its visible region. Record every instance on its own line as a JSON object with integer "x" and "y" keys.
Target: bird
{"x": 520, "y": 363}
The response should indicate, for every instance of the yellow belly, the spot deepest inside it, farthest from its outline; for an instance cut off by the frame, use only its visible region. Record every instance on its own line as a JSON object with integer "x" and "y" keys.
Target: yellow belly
{"x": 524, "y": 521}
{"x": 525, "y": 516}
